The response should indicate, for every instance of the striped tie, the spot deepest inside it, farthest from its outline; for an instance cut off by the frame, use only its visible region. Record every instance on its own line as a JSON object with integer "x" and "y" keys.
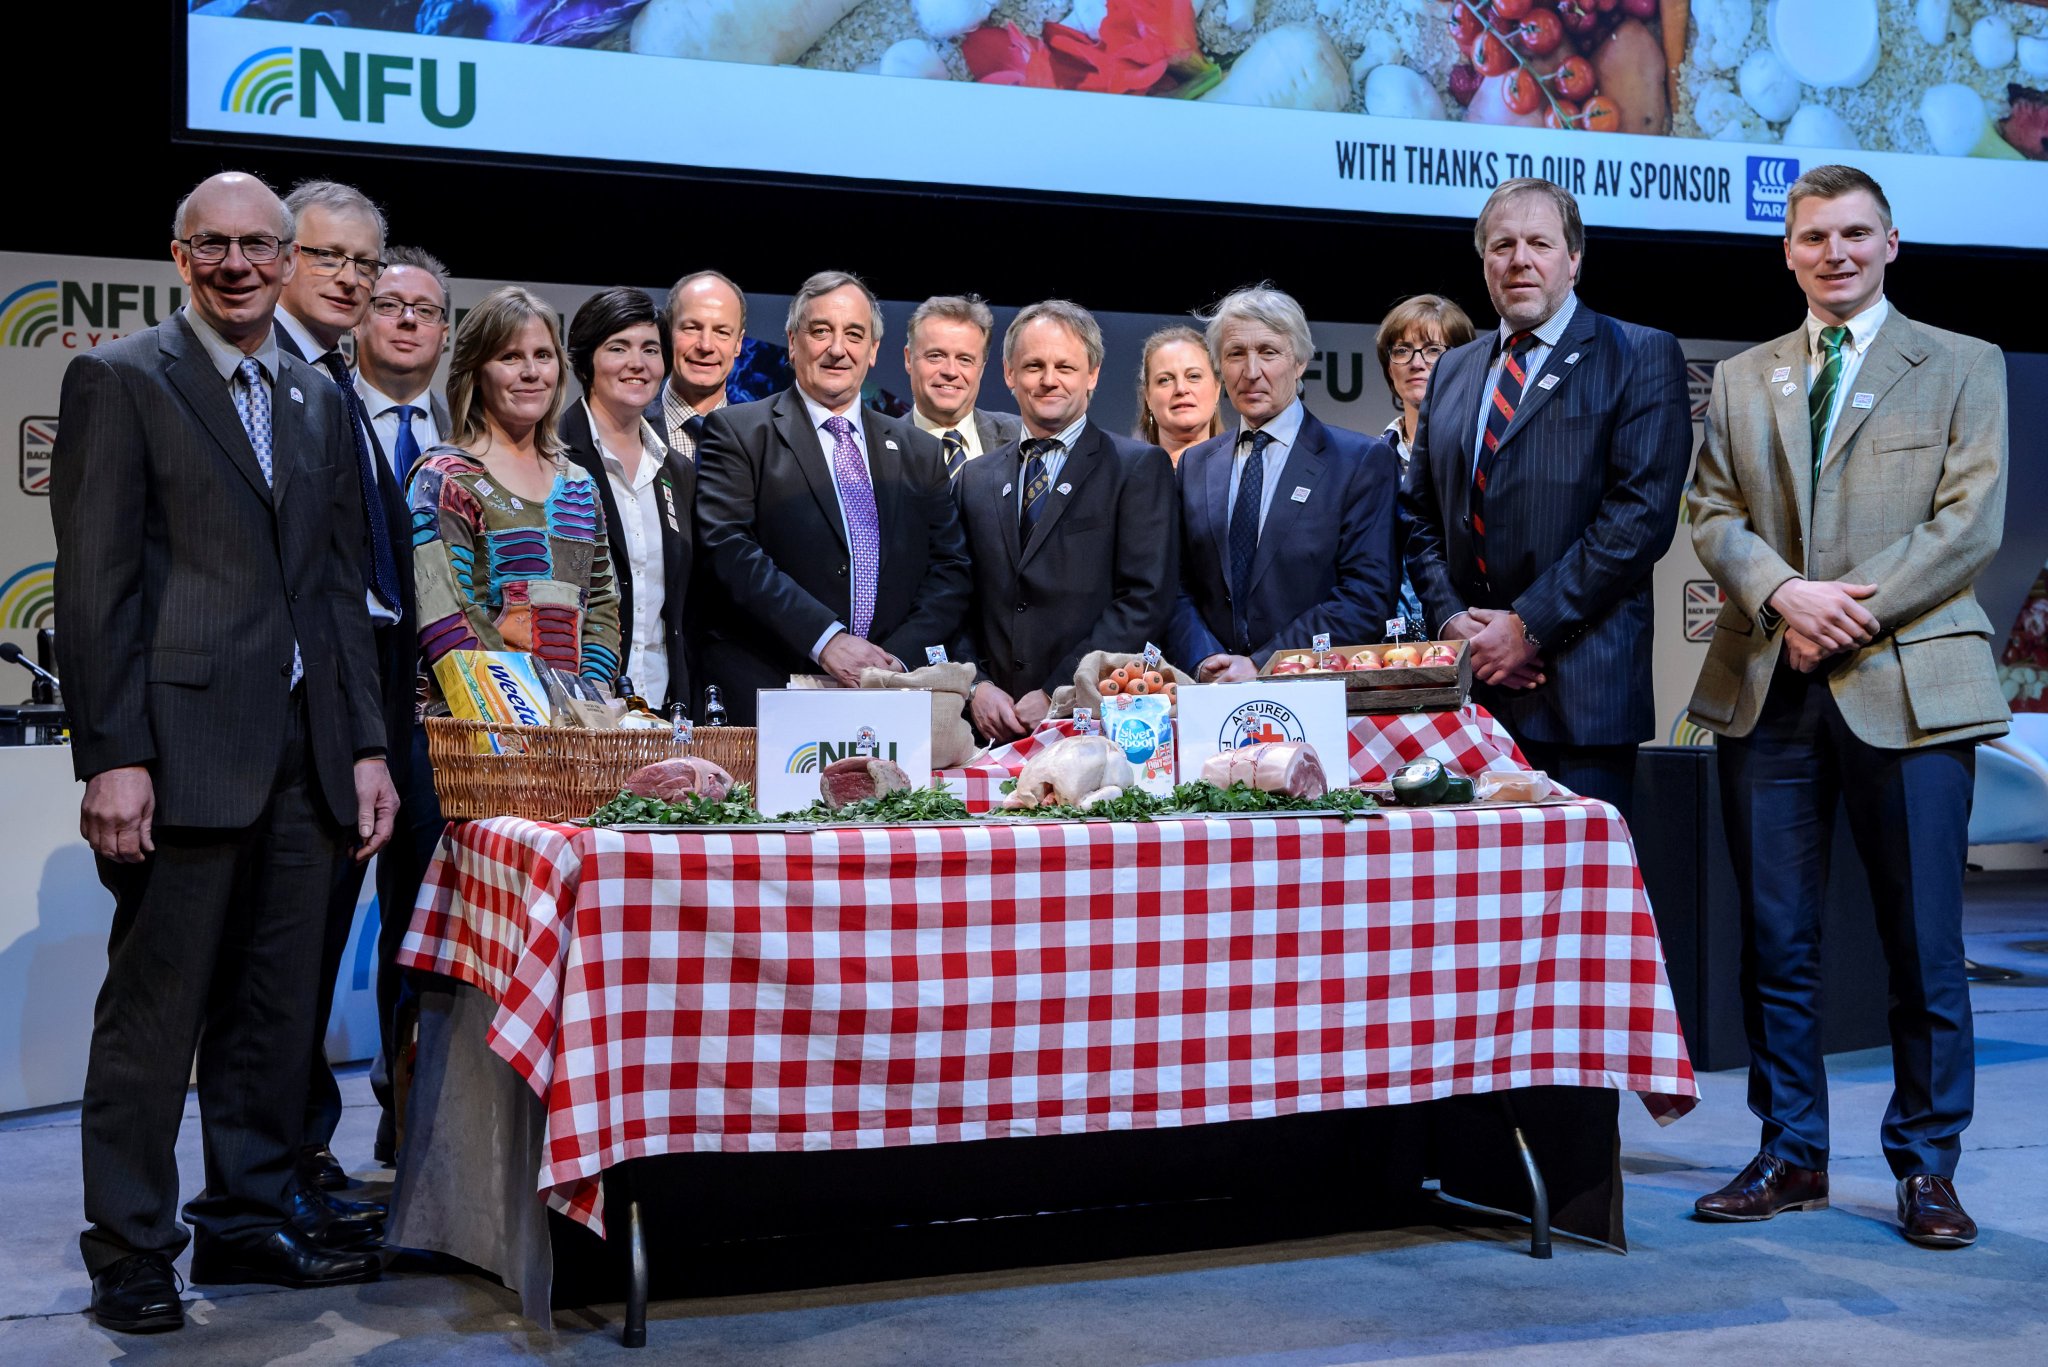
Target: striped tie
{"x": 252, "y": 404}
{"x": 956, "y": 451}
{"x": 1506, "y": 395}
{"x": 1820, "y": 404}
{"x": 1036, "y": 483}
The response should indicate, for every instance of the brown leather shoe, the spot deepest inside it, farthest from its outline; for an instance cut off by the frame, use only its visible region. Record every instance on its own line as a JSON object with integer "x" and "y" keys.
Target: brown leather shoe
{"x": 1765, "y": 1188}
{"x": 1931, "y": 1215}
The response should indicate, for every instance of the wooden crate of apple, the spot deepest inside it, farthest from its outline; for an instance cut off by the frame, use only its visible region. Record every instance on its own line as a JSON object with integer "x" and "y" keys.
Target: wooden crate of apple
{"x": 1425, "y": 675}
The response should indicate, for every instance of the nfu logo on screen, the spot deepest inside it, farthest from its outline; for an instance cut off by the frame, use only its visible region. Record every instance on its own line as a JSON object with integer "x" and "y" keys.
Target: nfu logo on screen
{"x": 1769, "y": 180}
{"x": 364, "y": 87}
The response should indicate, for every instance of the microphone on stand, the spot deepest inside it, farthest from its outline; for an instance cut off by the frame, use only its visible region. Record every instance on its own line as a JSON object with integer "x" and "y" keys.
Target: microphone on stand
{"x": 10, "y": 651}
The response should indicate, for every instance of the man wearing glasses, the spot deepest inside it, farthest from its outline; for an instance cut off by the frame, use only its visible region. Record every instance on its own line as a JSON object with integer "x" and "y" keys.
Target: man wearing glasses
{"x": 398, "y": 349}
{"x": 223, "y": 704}
{"x": 337, "y": 263}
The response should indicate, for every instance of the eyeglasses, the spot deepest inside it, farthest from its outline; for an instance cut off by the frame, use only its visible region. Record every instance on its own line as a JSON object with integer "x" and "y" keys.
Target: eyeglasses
{"x": 257, "y": 248}
{"x": 327, "y": 261}
{"x": 384, "y": 306}
{"x": 1400, "y": 353}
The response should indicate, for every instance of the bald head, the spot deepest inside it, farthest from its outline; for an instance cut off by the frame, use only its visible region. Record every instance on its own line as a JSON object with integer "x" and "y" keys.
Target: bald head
{"x": 233, "y": 214}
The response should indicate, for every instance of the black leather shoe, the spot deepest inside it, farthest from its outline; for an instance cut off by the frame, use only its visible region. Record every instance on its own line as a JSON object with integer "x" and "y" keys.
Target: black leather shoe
{"x": 1768, "y": 1186}
{"x": 138, "y": 1295}
{"x": 1931, "y": 1215}
{"x": 319, "y": 1168}
{"x": 286, "y": 1257}
{"x": 333, "y": 1223}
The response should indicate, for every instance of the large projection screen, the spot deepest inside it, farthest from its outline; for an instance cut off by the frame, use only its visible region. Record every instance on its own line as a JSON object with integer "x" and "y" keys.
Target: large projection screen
{"x": 1370, "y": 106}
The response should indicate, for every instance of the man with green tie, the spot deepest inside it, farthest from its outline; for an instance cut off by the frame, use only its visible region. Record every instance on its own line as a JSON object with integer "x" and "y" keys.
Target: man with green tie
{"x": 1850, "y": 491}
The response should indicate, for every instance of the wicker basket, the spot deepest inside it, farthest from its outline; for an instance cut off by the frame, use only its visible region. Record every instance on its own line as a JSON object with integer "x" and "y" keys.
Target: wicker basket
{"x": 565, "y": 773}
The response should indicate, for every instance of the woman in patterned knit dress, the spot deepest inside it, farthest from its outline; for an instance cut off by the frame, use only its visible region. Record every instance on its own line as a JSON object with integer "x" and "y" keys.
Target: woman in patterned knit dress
{"x": 509, "y": 543}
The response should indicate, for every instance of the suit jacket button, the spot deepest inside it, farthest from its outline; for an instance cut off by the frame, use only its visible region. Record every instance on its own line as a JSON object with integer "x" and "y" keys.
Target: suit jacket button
{"x": 1022, "y": 606}
{"x": 842, "y": 571}
{"x": 1466, "y": 522}
{"x": 284, "y": 671}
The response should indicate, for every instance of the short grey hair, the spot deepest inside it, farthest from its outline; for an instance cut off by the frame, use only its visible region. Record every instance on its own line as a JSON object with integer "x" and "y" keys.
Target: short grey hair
{"x": 675, "y": 294}
{"x": 822, "y": 284}
{"x": 421, "y": 260}
{"x": 1266, "y": 307}
{"x": 336, "y": 198}
{"x": 954, "y": 308}
{"x": 1068, "y": 315}
{"x": 284, "y": 213}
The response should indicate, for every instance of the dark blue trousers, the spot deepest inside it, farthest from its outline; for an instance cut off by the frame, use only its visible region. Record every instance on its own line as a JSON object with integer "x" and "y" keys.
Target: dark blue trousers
{"x": 1909, "y": 811}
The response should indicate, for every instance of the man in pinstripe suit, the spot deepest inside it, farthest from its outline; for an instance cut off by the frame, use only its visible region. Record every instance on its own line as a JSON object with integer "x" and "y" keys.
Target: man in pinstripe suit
{"x": 222, "y": 694}
{"x": 1851, "y": 489}
{"x": 1549, "y": 459}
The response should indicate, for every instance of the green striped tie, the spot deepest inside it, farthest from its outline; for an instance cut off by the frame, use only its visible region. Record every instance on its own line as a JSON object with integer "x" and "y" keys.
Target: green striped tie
{"x": 1821, "y": 402}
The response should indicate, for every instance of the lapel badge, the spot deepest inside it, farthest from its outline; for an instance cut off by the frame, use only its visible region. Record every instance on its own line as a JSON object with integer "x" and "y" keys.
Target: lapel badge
{"x": 297, "y": 397}
{"x": 1790, "y": 389}
{"x": 1572, "y": 359}
{"x": 1066, "y": 488}
{"x": 1862, "y": 400}
{"x": 889, "y": 443}
{"x": 1547, "y": 382}
{"x": 1008, "y": 489}
{"x": 1300, "y": 494}
{"x": 1781, "y": 374}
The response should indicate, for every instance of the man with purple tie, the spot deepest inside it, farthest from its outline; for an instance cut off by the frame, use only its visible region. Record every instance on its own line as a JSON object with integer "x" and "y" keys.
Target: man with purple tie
{"x": 828, "y": 530}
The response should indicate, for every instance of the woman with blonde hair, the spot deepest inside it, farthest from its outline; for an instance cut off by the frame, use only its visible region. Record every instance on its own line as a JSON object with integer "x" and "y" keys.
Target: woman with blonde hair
{"x": 1178, "y": 392}
{"x": 509, "y": 544}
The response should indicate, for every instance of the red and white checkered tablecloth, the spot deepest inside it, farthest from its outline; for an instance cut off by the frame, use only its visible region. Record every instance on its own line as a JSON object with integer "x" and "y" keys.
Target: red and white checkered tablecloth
{"x": 1468, "y": 739}
{"x": 848, "y": 988}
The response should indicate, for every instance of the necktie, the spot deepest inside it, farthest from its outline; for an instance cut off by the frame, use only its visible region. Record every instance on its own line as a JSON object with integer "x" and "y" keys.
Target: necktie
{"x": 956, "y": 451}
{"x": 863, "y": 523}
{"x": 693, "y": 433}
{"x": 383, "y": 569}
{"x": 405, "y": 448}
{"x": 252, "y": 403}
{"x": 1244, "y": 524}
{"x": 1820, "y": 403}
{"x": 1506, "y": 395}
{"x": 1037, "y": 483}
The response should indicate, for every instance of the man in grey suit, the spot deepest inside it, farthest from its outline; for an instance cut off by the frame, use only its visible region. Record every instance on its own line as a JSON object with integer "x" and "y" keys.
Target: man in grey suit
{"x": 1851, "y": 490}
{"x": 945, "y": 354}
{"x": 222, "y": 690}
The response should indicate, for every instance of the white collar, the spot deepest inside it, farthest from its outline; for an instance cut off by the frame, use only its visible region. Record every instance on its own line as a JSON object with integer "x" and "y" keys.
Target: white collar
{"x": 1863, "y": 327}
{"x": 1551, "y": 329}
{"x": 377, "y": 403}
{"x": 821, "y": 414}
{"x": 1283, "y": 429}
{"x": 925, "y": 424}
{"x": 305, "y": 340}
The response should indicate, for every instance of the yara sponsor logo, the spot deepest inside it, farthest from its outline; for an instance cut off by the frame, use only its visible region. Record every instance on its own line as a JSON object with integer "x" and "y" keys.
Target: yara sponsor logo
{"x": 78, "y": 315}
{"x": 354, "y": 87}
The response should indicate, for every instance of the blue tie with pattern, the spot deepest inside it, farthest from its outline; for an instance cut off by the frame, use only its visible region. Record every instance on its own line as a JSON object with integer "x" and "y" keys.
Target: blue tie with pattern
{"x": 1244, "y": 522}
{"x": 383, "y": 568}
{"x": 1037, "y": 483}
{"x": 252, "y": 404}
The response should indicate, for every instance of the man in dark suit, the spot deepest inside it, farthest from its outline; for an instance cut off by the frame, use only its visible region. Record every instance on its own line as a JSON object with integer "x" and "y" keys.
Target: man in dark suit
{"x": 399, "y": 345}
{"x": 1850, "y": 491}
{"x": 1549, "y": 459}
{"x": 1071, "y": 530}
{"x": 1288, "y": 527}
{"x": 827, "y": 528}
{"x": 945, "y": 356}
{"x": 338, "y": 261}
{"x": 222, "y": 689}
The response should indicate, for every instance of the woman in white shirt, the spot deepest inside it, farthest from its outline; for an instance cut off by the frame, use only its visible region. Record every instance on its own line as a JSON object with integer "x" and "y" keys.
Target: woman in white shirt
{"x": 618, "y": 352}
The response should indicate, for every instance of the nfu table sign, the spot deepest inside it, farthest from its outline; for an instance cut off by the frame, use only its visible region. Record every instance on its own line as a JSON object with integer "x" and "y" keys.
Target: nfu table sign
{"x": 804, "y": 729}
{"x": 1219, "y": 717}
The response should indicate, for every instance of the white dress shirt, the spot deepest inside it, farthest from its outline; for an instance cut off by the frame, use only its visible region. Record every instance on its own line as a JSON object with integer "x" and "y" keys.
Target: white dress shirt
{"x": 969, "y": 437}
{"x": 1547, "y": 334}
{"x": 384, "y": 420}
{"x": 1862, "y": 332}
{"x": 820, "y": 415}
{"x": 1284, "y": 430}
{"x": 640, "y": 514}
{"x": 1055, "y": 459}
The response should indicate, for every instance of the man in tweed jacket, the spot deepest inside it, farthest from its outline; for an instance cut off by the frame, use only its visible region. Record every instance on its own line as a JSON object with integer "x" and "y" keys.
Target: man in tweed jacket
{"x": 1852, "y": 661}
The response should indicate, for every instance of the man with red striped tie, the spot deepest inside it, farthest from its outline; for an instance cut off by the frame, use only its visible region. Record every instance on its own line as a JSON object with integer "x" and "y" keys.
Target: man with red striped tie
{"x": 1549, "y": 459}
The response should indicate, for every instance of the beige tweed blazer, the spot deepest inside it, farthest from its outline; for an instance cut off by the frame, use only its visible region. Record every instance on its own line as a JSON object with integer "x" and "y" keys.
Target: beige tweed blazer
{"x": 1911, "y": 498}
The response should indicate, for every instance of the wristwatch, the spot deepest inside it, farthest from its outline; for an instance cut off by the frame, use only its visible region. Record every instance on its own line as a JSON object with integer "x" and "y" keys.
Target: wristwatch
{"x": 1528, "y": 635}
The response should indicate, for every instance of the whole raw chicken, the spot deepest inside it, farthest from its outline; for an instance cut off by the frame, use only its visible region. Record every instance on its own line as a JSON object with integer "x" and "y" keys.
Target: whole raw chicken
{"x": 1078, "y": 771}
{"x": 1290, "y": 768}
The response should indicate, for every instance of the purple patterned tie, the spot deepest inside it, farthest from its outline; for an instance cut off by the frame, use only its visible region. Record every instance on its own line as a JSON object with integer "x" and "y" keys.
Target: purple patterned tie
{"x": 863, "y": 525}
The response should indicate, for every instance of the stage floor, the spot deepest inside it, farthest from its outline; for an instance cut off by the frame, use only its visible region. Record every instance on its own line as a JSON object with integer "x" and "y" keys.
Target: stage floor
{"x": 1838, "y": 1286}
